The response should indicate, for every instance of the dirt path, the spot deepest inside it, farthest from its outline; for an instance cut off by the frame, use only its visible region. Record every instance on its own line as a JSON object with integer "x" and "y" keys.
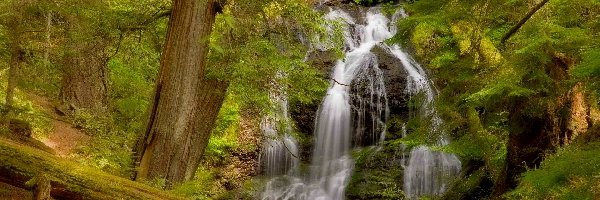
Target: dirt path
{"x": 64, "y": 138}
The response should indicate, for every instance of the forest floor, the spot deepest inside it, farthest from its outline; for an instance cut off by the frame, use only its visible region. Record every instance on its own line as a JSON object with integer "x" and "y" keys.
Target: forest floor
{"x": 64, "y": 138}
{"x": 14, "y": 193}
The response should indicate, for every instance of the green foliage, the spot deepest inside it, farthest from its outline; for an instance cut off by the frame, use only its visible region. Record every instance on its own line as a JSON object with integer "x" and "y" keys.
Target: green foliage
{"x": 377, "y": 174}
{"x": 224, "y": 136}
{"x": 370, "y": 2}
{"x": 255, "y": 44}
{"x": 132, "y": 74}
{"x": 476, "y": 186}
{"x": 46, "y": 82}
{"x": 25, "y": 110}
{"x": 202, "y": 187}
{"x": 588, "y": 71}
{"x": 205, "y": 186}
{"x": 110, "y": 146}
{"x": 93, "y": 124}
{"x": 572, "y": 173}
{"x": 483, "y": 83}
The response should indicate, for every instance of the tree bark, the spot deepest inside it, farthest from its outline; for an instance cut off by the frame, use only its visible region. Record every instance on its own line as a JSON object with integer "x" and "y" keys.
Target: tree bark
{"x": 518, "y": 26}
{"x": 48, "y": 45}
{"x": 186, "y": 103}
{"x": 531, "y": 138}
{"x": 84, "y": 82}
{"x": 84, "y": 77}
{"x": 16, "y": 58}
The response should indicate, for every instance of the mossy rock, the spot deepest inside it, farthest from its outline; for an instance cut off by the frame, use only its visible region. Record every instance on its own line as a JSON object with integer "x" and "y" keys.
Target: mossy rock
{"x": 378, "y": 174}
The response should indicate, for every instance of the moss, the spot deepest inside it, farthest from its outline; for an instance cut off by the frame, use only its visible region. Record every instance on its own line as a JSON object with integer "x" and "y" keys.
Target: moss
{"x": 85, "y": 181}
{"x": 202, "y": 187}
{"x": 571, "y": 173}
{"x": 377, "y": 175}
{"x": 477, "y": 185}
{"x": 229, "y": 159}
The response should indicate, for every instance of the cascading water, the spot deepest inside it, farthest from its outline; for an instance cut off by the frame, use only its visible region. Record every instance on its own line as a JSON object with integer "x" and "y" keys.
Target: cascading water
{"x": 331, "y": 164}
{"x": 279, "y": 156}
{"x": 279, "y": 153}
{"x": 427, "y": 172}
{"x": 356, "y": 100}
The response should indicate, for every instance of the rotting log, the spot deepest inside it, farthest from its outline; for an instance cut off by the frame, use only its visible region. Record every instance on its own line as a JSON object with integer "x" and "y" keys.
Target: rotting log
{"x": 68, "y": 180}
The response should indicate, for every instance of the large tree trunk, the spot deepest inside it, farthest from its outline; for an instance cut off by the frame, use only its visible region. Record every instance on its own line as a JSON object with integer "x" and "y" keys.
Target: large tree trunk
{"x": 84, "y": 68}
{"x": 84, "y": 81}
{"x": 186, "y": 103}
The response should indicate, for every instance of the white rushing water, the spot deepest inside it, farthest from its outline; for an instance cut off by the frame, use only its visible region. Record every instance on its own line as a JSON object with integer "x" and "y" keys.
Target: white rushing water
{"x": 279, "y": 154}
{"x": 356, "y": 83}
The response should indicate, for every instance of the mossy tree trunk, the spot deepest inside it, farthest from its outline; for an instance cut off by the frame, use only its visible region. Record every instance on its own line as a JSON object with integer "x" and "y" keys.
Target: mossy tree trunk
{"x": 186, "y": 103}
{"x": 14, "y": 24}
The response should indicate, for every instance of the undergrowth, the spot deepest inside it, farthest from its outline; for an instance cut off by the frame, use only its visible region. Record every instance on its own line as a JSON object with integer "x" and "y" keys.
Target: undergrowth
{"x": 572, "y": 173}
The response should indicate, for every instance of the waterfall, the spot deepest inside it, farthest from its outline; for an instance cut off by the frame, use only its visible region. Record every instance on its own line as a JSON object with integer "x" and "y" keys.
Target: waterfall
{"x": 279, "y": 155}
{"x": 280, "y": 152}
{"x": 354, "y": 109}
{"x": 427, "y": 172}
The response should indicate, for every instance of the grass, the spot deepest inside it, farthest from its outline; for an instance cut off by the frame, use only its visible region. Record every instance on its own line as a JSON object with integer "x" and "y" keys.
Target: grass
{"x": 572, "y": 173}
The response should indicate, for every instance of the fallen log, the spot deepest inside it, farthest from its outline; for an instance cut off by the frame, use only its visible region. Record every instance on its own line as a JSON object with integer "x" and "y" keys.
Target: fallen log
{"x": 67, "y": 180}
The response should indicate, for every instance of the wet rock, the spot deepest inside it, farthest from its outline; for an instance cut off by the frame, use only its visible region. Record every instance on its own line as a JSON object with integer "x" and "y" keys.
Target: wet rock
{"x": 336, "y": 2}
{"x": 394, "y": 78}
{"x": 304, "y": 115}
{"x": 368, "y": 120}
{"x": 395, "y": 81}
{"x": 378, "y": 174}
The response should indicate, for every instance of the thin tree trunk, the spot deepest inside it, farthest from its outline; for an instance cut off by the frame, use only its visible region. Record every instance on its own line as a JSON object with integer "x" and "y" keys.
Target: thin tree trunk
{"x": 12, "y": 79}
{"x": 186, "y": 103}
{"x": 16, "y": 57}
{"x": 48, "y": 29}
{"x": 518, "y": 26}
